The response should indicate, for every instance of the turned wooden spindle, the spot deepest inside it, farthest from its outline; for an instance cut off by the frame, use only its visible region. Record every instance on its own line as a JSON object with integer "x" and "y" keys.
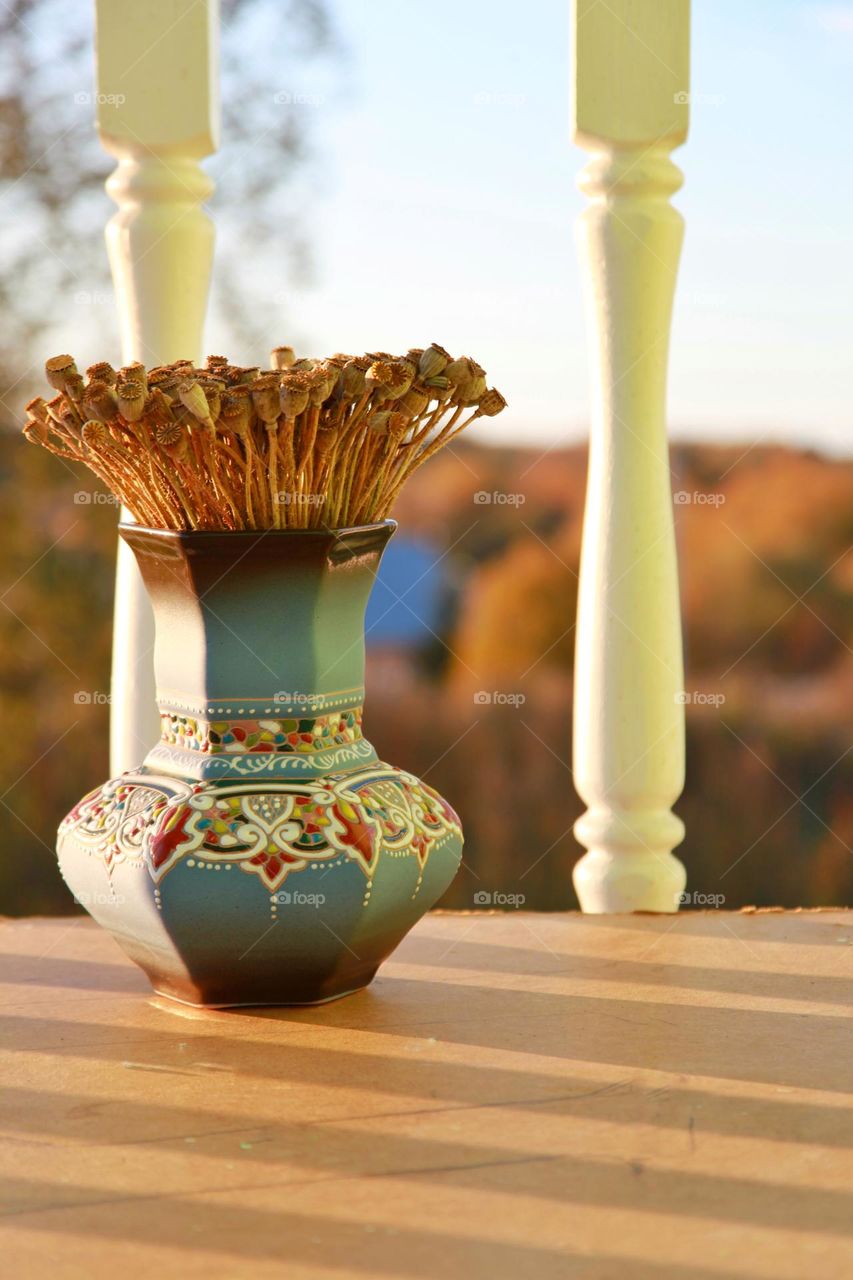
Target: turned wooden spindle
{"x": 630, "y": 106}
{"x": 157, "y": 109}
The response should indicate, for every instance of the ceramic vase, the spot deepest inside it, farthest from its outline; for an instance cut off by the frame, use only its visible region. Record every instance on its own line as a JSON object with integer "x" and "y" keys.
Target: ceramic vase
{"x": 261, "y": 854}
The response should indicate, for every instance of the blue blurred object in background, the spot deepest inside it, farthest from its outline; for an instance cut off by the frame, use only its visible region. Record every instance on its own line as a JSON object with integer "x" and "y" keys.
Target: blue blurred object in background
{"x": 406, "y": 605}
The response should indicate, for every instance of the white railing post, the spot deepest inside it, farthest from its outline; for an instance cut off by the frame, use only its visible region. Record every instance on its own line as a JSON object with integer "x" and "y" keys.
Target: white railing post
{"x": 630, "y": 105}
{"x": 157, "y": 69}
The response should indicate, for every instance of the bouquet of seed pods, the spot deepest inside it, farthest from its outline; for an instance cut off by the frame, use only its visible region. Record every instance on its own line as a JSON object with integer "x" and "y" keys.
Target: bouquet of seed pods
{"x": 309, "y": 444}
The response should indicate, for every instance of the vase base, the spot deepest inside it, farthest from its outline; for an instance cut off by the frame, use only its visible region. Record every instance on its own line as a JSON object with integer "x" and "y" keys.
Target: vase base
{"x": 263, "y": 989}
{"x": 261, "y": 1004}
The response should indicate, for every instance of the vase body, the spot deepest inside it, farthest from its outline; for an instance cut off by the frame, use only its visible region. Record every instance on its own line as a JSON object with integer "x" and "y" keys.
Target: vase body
{"x": 261, "y": 853}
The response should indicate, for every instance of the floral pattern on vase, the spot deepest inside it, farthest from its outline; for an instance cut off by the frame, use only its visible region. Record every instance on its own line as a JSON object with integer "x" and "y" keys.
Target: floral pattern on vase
{"x": 270, "y": 833}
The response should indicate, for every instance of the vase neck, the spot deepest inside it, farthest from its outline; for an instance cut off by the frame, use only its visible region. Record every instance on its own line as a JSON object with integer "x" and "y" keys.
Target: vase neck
{"x": 259, "y": 649}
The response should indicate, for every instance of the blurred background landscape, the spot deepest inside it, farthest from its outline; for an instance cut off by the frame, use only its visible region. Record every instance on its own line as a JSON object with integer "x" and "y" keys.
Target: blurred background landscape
{"x": 399, "y": 187}
{"x": 470, "y": 635}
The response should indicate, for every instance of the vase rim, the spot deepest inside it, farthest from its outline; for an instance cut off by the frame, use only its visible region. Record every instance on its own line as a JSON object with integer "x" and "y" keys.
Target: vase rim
{"x": 129, "y": 528}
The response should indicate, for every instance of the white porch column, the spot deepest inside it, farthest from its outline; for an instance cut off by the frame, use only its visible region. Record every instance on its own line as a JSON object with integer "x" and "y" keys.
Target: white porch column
{"x": 631, "y": 84}
{"x": 157, "y": 75}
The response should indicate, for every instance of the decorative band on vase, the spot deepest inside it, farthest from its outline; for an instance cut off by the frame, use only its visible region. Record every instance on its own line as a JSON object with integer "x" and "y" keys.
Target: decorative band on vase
{"x": 280, "y": 705}
{"x": 278, "y": 735}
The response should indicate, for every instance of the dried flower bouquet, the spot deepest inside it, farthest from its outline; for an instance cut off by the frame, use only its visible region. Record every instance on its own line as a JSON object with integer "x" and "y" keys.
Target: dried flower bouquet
{"x": 310, "y": 444}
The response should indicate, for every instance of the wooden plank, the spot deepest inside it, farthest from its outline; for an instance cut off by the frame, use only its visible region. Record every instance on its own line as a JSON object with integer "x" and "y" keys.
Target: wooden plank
{"x": 544, "y": 1095}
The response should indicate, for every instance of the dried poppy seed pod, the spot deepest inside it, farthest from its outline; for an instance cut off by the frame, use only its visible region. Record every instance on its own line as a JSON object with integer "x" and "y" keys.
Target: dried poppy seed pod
{"x": 100, "y": 401}
{"x": 319, "y": 394}
{"x": 375, "y": 376}
{"x": 75, "y": 387}
{"x": 217, "y": 362}
{"x": 250, "y": 375}
{"x": 173, "y": 438}
{"x": 165, "y": 381}
{"x": 295, "y": 378}
{"x": 158, "y": 408}
{"x": 236, "y": 414}
{"x": 469, "y": 393}
{"x": 433, "y": 361}
{"x": 212, "y": 389}
{"x": 439, "y": 388}
{"x": 282, "y": 358}
{"x": 54, "y": 409}
{"x": 406, "y": 369}
{"x": 459, "y": 371}
{"x": 134, "y": 373}
{"x": 413, "y": 355}
{"x": 57, "y": 369}
{"x": 306, "y": 364}
{"x": 169, "y": 433}
{"x": 378, "y": 422}
{"x": 192, "y": 397}
{"x": 37, "y": 408}
{"x": 265, "y": 398}
{"x": 293, "y": 398}
{"x": 414, "y": 401}
{"x": 468, "y": 390}
{"x": 335, "y": 365}
{"x": 131, "y": 400}
{"x": 352, "y": 379}
{"x": 35, "y": 431}
{"x": 393, "y": 377}
{"x": 241, "y": 391}
{"x": 338, "y": 389}
{"x": 102, "y": 372}
{"x": 491, "y": 403}
{"x": 69, "y": 420}
{"x": 321, "y": 384}
{"x": 94, "y": 434}
{"x": 398, "y": 424}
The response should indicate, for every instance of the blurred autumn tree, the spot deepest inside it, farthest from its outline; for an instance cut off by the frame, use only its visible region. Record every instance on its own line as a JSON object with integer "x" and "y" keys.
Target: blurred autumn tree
{"x": 767, "y": 590}
{"x": 52, "y": 174}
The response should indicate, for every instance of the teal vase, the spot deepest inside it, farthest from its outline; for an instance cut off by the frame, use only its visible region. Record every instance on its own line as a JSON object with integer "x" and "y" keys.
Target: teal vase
{"x": 262, "y": 853}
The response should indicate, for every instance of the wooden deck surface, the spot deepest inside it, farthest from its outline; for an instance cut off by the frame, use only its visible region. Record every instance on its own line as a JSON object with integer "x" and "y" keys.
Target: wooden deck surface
{"x": 515, "y": 1096}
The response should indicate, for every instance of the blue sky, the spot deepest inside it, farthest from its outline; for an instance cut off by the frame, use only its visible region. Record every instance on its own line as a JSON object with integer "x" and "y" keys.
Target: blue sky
{"x": 448, "y": 203}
